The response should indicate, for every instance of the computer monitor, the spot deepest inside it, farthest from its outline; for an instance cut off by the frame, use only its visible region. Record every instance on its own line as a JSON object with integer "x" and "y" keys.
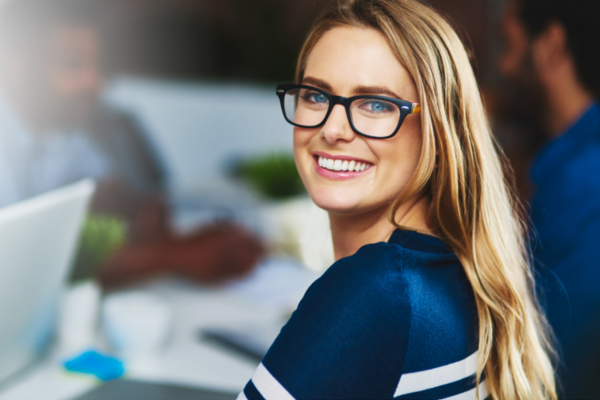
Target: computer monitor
{"x": 37, "y": 242}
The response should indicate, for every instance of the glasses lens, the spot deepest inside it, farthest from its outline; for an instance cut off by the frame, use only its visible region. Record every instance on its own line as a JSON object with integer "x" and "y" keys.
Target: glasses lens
{"x": 305, "y": 107}
{"x": 375, "y": 117}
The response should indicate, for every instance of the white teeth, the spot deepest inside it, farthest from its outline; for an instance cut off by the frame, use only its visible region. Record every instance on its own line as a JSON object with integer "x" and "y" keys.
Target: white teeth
{"x": 342, "y": 165}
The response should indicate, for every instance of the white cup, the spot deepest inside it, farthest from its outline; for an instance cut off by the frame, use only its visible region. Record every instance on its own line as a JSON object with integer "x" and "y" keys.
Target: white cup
{"x": 78, "y": 319}
{"x": 136, "y": 324}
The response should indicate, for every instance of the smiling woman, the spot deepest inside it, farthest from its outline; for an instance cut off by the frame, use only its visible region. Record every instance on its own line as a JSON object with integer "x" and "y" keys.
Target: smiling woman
{"x": 431, "y": 295}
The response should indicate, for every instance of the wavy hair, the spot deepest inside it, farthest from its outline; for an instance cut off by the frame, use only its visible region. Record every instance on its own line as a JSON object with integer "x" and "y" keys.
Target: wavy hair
{"x": 467, "y": 178}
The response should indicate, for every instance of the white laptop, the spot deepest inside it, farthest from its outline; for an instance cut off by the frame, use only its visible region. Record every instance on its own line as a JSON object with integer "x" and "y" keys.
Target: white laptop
{"x": 37, "y": 242}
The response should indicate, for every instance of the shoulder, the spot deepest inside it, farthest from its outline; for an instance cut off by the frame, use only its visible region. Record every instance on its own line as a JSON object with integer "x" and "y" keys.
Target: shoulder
{"x": 363, "y": 299}
{"x": 386, "y": 311}
{"x": 373, "y": 264}
{"x": 371, "y": 281}
{"x": 349, "y": 335}
{"x": 389, "y": 290}
{"x": 569, "y": 180}
{"x": 397, "y": 275}
{"x": 578, "y": 160}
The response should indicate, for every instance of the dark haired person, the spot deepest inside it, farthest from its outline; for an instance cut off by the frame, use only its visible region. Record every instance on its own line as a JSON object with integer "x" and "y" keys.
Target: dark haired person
{"x": 54, "y": 130}
{"x": 553, "y": 60}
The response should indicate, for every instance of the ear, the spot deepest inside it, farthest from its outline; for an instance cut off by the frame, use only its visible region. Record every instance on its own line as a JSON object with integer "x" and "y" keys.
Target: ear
{"x": 550, "y": 51}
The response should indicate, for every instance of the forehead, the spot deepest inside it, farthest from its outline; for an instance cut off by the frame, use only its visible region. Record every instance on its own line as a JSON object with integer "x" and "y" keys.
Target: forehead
{"x": 347, "y": 57}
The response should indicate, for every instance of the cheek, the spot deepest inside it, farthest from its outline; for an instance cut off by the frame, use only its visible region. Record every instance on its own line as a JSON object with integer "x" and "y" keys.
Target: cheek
{"x": 302, "y": 140}
{"x": 399, "y": 157}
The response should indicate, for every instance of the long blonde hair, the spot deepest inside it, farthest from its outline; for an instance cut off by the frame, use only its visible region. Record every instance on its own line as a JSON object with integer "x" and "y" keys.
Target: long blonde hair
{"x": 472, "y": 206}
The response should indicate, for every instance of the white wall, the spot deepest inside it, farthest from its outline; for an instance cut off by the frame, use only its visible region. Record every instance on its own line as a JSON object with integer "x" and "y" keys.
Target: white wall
{"x": 199, "y": 128}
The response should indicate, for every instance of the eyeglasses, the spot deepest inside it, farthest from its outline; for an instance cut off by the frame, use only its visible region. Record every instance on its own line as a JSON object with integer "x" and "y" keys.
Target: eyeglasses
{"x": 376, "y": 117}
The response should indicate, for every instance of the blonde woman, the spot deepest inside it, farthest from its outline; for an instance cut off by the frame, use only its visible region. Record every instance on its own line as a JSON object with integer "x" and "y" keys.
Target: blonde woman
{"x": 431, "y": 295}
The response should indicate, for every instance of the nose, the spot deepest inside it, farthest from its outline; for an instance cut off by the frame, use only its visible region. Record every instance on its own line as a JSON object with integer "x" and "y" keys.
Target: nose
{"x": 337, "y": 127}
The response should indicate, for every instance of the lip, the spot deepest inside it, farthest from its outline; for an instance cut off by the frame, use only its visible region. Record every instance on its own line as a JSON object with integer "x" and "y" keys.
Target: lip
{"x": 339, "y": 175}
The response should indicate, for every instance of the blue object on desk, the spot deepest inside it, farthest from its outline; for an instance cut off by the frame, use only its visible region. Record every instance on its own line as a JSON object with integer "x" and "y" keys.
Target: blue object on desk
{"x": 99, "y": 365}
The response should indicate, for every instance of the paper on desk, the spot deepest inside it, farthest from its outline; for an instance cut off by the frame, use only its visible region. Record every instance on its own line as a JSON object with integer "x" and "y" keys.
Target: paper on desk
{"x": 278, "y": 283}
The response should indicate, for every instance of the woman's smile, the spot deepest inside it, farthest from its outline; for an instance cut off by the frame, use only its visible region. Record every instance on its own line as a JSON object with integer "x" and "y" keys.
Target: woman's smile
{"x": 340, "y": 167}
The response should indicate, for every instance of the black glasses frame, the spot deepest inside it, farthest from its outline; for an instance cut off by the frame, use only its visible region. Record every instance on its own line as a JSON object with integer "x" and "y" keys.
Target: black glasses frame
{"x": 406, "y": 107}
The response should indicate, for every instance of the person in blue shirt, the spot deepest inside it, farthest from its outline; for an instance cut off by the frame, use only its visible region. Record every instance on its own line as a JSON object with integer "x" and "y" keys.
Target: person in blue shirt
{"x": 431, "y": 295}
{"x": 551, "y": 61}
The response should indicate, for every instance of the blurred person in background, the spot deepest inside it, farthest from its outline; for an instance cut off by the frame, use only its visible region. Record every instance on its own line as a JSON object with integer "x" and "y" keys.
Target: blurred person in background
{"x": 54, "y": 130}
{"x": 552, "y": 60}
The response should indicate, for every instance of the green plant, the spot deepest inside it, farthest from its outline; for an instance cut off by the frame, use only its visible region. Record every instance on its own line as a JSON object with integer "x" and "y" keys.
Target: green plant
{"x": 100, "y": 236}
{"x": 274, "y": 176}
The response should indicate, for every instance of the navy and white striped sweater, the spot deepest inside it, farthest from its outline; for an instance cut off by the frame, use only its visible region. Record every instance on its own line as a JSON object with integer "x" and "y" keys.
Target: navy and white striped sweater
{"x": 395, "y": 320}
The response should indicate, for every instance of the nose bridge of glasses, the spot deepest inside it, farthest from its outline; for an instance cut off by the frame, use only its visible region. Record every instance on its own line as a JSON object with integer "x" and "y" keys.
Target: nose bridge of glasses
{"x": 337, "y": 124}
{"x": 343, "y": 103}
{"x": 339, "y": 106}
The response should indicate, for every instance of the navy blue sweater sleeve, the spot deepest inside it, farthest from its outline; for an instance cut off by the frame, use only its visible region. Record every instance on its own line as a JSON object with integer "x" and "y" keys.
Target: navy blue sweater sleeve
{"x": 347, "y": 339}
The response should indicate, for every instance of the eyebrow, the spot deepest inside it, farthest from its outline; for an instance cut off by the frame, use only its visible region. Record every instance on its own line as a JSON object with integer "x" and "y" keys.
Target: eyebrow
{"x": 357, "y": 90}
{"x": 321, "y": 84}
{"x": 374, "y": 89}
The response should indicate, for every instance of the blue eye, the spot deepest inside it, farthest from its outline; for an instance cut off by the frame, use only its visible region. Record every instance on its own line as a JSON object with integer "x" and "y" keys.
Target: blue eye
{"x": 318, "y": 98}
{"x": 378, "y": 106}
{"x": 375, "y": 108}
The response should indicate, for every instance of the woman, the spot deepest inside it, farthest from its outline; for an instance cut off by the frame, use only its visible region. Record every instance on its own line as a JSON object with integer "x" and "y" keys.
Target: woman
{"x": 431, "y": 294}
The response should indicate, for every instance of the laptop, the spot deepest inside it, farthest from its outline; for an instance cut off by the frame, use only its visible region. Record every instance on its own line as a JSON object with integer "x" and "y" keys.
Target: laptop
{"x": 37, "y": 242}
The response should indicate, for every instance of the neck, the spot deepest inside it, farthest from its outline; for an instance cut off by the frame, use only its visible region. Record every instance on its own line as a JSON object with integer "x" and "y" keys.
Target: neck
{"x": 351, "y": 232}
{"x": 568, "y": 100}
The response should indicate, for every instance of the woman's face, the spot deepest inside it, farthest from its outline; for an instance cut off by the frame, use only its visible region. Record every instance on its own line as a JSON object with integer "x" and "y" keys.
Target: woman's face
{"x": 349, "y": 62}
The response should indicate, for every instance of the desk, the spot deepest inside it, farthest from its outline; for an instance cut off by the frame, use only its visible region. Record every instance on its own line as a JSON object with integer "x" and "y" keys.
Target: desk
{"x": 185, "y": 359}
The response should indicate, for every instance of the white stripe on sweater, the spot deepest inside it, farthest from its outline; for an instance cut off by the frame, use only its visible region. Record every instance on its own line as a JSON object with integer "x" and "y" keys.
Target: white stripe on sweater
{"x": 431, "y": 378}
{"x": 268, "y": 386}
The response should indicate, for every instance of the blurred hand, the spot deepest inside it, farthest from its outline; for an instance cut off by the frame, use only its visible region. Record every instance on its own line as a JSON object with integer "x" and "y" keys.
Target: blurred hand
{"x": 212, "y": 255}
{"x": 151, "y": 220}
{"x": 217, "y": 254}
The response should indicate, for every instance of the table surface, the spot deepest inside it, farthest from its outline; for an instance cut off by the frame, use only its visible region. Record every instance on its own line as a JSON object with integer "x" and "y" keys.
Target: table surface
{"x": 185, "y": 360}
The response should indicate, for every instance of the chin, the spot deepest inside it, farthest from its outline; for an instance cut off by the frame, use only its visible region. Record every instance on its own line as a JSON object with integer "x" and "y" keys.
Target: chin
{"x": 335, "y": 203}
